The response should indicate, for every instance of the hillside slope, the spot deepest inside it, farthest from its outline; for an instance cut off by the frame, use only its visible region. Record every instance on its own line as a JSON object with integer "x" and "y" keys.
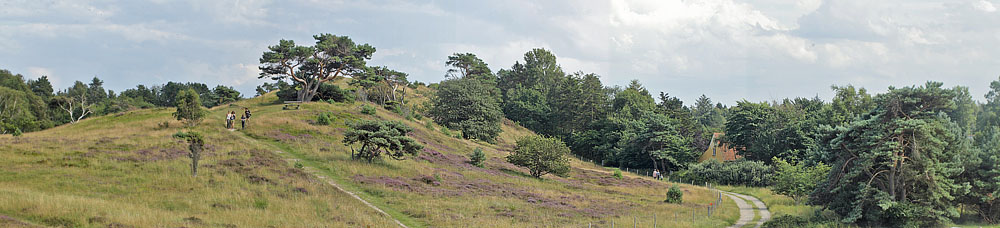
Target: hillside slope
{"x": 121, "y": 170}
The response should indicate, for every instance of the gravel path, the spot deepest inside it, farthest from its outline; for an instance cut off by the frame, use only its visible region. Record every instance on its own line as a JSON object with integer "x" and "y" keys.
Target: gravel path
{"x": 747, "y": 212}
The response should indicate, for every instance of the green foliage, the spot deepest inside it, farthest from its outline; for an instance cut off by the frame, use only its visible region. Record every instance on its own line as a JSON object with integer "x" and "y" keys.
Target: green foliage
{"x": 189, "y": 107}
{"x": 740, "y": 172}
{"x": 787, "y": 221}
{"x": 799, "y": 180}
{"x": 983, "y": 174}
{"x": 760, "y": 131}
{"x": 541, "y": 155}
{"x": 196, "y": 144}
{"x": 461, "y": 104}
{"x": 380, "y": 137}
{"x": 225, "y": 94}
{"x": 17, "y": 132}
{"x": 617, "y": 174}
{"x": 675, "y": 195}
{"x": 308, "y": 67}
{"x": 299, "y": 166}
{"x": 367, "y": 110}
{"x": 898, "y": 165}
{"x": 325, "y": 118}
{"x": 477, "y": 157}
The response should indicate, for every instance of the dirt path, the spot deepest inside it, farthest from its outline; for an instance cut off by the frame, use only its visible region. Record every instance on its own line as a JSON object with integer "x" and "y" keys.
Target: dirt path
{"x": 748, "y": 211}
{"x": 321, "y": 177}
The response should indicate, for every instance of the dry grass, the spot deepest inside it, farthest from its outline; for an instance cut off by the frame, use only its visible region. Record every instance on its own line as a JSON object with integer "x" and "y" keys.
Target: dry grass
{"x": 119, "y": 170}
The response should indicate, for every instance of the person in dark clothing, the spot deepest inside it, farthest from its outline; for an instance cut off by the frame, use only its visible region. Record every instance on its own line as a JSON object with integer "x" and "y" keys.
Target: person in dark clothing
{"x": 243, "y": 122}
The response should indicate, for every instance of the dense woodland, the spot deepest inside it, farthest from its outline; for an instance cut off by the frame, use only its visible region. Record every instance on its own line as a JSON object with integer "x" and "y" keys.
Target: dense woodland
{"x": 913, "y": 156}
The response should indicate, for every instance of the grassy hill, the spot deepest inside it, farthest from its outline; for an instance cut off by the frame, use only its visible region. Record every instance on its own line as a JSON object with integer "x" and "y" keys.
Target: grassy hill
{"x": 123, "y": 170}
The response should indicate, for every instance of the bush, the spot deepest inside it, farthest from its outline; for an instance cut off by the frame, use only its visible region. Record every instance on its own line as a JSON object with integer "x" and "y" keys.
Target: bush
{"x": 739, "y": 172}
{"x": 17, "y": 132}
{"x": 675, "y": 195}
{"x": 541, "y": 155}
{"x": 418, "y": 116}
{"x": 797, "y": 181}
{"x": 162, "y": 125}
{"x": 380, "y": 137}
{"x": 189, "y": 107}
{"x": 786, "y": 221}
{"x": 429, "y": 125}
{"x": 446, "y": 131}
{"x": 618, "y": 174}
{"x": 325, "y": 118}
{"x": 477, "y": 157}
{"x": 367, "y": 110}
{"x": 299, "y": 165}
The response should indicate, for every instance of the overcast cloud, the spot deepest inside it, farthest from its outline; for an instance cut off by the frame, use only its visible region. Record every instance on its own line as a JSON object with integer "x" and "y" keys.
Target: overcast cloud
{"x": 728, "y": 50}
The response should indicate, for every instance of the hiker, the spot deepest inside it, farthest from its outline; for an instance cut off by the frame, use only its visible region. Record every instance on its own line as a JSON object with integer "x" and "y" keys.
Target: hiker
{"x": 229, "y": 123}
{"x": 243, "y": 121}
{"x": 246, "y": 112}
{"x": 656, "y": 175}
{"x": 232, "y": 119}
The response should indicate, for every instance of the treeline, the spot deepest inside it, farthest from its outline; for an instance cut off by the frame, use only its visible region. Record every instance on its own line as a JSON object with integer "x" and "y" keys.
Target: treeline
{"x": 618, "y": 126}
{"x": 33, "y": 105}
{"x": 909, "y": 157}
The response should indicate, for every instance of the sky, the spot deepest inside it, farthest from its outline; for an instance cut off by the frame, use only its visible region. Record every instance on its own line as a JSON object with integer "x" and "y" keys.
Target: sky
{"x": 728, "y": 50}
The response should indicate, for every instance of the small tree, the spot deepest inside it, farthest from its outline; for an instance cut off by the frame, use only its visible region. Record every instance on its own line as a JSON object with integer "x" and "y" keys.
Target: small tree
{"x": 541, "y": 155}
{"x": 675, "y": 195}
{"x": 189, "y": 107}
{"x": 195, "y": 146}
{"x": 477, "y": 157}
{"x": 797, "y": 181}
{"x": 378, "y": 137}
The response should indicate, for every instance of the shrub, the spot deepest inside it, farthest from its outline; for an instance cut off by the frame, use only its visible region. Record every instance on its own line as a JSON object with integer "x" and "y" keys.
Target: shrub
{"x": 162, "y": 125}
{"x": 299, "y": 165}
{"x": 325, "y": 118}
{"x": 477, "y": 157}
{"x": 797, "y": 181}
{"x": 740, "y": 172}
{"x": 786, "y": 221}
{"x": 541, "y": 155}
{"x": 367, "y": 110}
{"x": 674, "y": 195}
{"x": 618, "y": 174}
{"x": 429, "y": 125}
{"x": 17, "y": 132}
{"x": 196, "y": 144}
{"x": 418, "y": 116}
{"x": 189, "y": 107}
{"x": 381, "y": 137}
{"x": 445, "y": 131}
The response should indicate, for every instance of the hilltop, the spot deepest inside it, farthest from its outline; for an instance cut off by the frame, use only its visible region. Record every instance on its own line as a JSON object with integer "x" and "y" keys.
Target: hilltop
{"x": 126, "y": 170}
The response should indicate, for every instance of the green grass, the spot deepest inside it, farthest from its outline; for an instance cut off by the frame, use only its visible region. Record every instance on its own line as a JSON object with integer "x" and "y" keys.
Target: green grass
{"x": 118, "y": 169}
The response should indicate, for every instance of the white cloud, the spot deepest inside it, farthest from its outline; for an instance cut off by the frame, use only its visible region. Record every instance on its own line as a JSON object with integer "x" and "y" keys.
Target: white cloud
{"x": 985, "y": 6}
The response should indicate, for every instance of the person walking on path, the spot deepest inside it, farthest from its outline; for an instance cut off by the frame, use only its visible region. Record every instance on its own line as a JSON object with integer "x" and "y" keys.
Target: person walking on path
{"x": 656, "y": 175}
{"x": 229, "y": 123}
{"x": 243, "y": 121}
{"x": 246, "y": 112}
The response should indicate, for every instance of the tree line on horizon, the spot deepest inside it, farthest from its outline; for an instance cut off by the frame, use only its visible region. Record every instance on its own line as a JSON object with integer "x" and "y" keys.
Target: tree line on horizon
{"x": 34, "y": 105}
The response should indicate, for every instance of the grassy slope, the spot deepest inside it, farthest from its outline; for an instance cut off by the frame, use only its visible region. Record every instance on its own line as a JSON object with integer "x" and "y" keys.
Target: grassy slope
{"x": 118, "y": 169}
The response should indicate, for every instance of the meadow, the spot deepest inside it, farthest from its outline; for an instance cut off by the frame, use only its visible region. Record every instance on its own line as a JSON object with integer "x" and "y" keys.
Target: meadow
{"x": 126, "y": 170}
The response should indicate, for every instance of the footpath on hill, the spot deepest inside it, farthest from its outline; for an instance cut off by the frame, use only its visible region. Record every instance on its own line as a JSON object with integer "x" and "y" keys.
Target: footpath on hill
{"x": 320, "y": 176}
{"x": 747, "y": 211}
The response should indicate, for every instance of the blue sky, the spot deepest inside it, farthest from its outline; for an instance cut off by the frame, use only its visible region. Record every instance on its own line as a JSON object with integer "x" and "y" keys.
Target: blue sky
{"x": 728, "y": 50}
